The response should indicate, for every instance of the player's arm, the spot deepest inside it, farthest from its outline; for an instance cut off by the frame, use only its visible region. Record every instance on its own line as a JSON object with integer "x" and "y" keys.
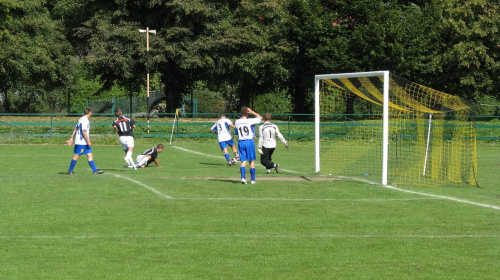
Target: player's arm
{"x": 86, "y": 137}
{"x": 70, "y": 140}
{"x": 259, "y": 145}
{"x": 115, "y": 128}
{"x": 157, "y": 163}
{"x": 282, "y": 139}
{"x": 250, "y": 111}
{"x": 213, "y": 129}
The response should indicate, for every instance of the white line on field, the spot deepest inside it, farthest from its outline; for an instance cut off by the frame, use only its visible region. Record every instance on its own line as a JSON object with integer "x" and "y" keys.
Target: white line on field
{"x": 365, "y": 181}
{"x": 212, "y": 156}
{"x": 255, "y": 236}
{"x": 195, "y": 152}
{"x": 153, "y": 190}
{"x": 445, "y": 197}
{"x": 427, "y": 194}
{"x": 304, "y": 199}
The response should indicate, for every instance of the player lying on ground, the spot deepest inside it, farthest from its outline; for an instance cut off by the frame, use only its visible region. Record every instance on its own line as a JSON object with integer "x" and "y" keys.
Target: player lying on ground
{"x": 149, "y": 156}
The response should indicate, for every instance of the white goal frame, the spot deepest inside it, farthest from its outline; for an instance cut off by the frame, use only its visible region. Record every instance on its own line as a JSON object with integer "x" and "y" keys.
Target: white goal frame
{"x": 385, "y": 125}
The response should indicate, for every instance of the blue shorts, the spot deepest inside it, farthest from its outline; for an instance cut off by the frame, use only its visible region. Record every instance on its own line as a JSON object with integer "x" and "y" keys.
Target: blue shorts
{"x": 82, "y": 150}
{"x": 247, "y": 150}
{"x": 225, "y": 144}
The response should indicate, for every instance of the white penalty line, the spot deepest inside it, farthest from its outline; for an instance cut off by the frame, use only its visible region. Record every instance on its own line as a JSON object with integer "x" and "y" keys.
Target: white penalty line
{"x": 252, "y": 236}
{"x": 151, "y": 189}
{"x": 212, "y": 156}
{"x": 195, "y": 152}
{"x": 155, "y": 191}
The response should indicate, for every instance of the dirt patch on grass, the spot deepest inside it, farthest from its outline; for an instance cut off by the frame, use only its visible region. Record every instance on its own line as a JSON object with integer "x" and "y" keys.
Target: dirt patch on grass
{"x": 264, "y": 178}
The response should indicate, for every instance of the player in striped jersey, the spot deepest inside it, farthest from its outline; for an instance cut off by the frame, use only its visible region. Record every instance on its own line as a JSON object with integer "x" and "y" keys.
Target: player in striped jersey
{"x": 267, "y": 143}
{"x": 149, "y": 156}
{"x": 123, "y": 127}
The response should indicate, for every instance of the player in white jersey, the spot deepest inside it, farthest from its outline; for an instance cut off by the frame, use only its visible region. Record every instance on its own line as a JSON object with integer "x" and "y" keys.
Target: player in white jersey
{"x": 245, "y": 127}
{"x": 82, "y": 143}
{"x": 221, "y": 127}
{"x": 267, "y": 143}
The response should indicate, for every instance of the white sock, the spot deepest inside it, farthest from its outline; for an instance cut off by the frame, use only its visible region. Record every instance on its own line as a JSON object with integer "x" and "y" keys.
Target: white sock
{"x": 128, "y": 158}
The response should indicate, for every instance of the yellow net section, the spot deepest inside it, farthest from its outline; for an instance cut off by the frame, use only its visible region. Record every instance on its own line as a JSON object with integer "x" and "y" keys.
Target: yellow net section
{"x": 432, "y": 142}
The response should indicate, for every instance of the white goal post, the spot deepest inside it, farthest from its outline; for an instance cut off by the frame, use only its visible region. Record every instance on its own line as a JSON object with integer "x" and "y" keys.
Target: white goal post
{"x": 385, "y": 125}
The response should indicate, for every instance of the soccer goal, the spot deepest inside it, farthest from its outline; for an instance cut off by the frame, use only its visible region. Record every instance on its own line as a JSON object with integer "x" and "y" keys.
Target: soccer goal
{"x": 391, "y": 130}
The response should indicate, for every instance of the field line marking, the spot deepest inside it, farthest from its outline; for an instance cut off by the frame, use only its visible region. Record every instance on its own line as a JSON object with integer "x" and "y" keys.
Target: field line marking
{"x": 445, "y": 197}
{"x": 195, "y": 152}
{"x": 264, "y": 236}
{"x": 303, "y": 199}
{"x": 427, "y": 194}
{"x": 212, "y": 156}
{"x": 151, "y": 189}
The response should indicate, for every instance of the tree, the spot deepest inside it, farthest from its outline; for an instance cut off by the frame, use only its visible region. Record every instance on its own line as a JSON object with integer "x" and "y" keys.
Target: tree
{"x": 35, "y": 59}
{"x": 469, "y": 56}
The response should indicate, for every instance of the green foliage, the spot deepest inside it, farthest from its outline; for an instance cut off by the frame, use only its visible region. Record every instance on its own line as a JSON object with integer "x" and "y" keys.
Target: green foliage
{"x": 241, "y": 49}
{"x": 35, "y": 59}
{"x": 275, "y": 103}
{"x": 207, "y": 101}
{"x": 487, "y": 106}
{"x": 469, "y": 63}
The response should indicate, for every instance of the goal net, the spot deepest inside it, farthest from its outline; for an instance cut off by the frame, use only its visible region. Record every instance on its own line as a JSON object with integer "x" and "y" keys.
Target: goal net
{"x": 384, "y": 128}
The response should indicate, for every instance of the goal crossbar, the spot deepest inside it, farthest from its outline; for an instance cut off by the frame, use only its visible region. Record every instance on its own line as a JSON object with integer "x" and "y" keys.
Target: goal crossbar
{"x": 385, "y": 125}
{"x": 398, "y": 108}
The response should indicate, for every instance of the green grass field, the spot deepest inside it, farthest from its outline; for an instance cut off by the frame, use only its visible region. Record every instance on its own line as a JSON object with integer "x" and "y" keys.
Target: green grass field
{"x": 193, "y": 219}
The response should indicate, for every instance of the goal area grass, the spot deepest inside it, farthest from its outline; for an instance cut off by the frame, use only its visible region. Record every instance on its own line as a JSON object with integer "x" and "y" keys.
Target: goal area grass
{"x": 193, "y": 219}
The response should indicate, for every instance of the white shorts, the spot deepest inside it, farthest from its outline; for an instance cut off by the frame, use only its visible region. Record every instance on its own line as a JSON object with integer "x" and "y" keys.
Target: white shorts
{"x": 127, "y": 142}
{"x": 142, "y": 160}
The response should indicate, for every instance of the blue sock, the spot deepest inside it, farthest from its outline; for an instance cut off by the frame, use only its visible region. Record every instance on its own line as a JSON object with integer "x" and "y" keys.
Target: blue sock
{"x": 227, "y": 157}
{"x": 72, "y": 165}
{"x": 252, "y": 174}
{"x": 92, "y": 165}
{"x": 242, "y": 171}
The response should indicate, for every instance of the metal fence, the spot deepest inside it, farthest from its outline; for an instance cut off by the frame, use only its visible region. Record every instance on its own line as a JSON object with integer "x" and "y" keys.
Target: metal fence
{"x": 164, "y": 125}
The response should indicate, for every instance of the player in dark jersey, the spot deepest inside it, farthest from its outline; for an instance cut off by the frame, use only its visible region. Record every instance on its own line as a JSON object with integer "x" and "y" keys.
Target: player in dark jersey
{"x": 149, "y": 156}
{"x": 123, "y": 127}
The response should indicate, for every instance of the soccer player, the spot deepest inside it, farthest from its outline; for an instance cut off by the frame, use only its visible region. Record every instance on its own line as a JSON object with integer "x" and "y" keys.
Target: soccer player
{"x": 246, "y": 145}
{"x": 149, "y": 156}
{"x": 123, "y": 127}
{"x": 81, "y": 133}
{"x": 267, "y": 143}
{"x": 221, "y": 127}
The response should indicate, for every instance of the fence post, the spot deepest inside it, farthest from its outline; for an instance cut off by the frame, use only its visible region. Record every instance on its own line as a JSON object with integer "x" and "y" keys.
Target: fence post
{"x": 289, "y": 119}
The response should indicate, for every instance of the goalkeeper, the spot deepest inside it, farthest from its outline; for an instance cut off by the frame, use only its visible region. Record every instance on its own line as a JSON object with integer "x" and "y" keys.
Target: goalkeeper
{"x": 267, "y": 143}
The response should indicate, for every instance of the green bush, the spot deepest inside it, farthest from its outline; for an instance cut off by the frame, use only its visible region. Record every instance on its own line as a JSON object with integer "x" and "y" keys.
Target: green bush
{"x": 275, "y": 103}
